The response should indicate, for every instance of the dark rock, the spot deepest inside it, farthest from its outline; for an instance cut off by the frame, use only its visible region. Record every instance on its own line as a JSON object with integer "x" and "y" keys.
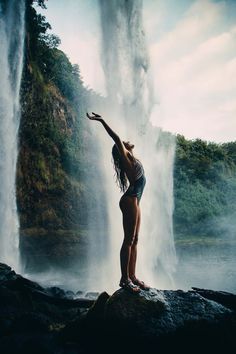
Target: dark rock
{"x": 30, "y": 344}
{"x": 29, "y": 312}
{"x": 222, "y": 297}
{"x": 156, "y": 312}
{"x": 56, "y": 321}
{"x": 97, "y": 310}
{"x": 8, "y": 297}
{"x": 31, "y": 322}
{"x": 56, "y": 291}
{"x": 70, "y": 294}
{"x": 79, "y": 293}
{"x": 168, "y": 320}
{"x": 93, "y": 295}
{"x": 6, "y": 273}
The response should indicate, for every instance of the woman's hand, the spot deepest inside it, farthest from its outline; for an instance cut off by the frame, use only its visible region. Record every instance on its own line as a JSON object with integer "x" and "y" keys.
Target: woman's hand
{"x": 94, "y": 116}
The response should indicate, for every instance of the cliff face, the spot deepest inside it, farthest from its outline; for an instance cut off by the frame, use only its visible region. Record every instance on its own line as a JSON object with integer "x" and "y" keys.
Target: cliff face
{"x": 51, "y": 148}
{"x": 48, "y": 196}
{"x": 54, "y": 193}
{"x": 41, "y": 176}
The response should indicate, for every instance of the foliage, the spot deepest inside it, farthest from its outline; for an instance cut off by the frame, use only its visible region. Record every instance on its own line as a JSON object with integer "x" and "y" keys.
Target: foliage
{"x": 54, "y": 137}
{"x": 204, "y": 185}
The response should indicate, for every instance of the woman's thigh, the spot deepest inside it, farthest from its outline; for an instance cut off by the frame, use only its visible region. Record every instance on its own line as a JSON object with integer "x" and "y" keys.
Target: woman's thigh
{"x": 130, "y": 211}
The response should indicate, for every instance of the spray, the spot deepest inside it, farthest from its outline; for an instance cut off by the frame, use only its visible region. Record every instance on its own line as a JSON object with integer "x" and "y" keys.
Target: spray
{"x": 11, "y": 63}
{"x": 128, "y": 78}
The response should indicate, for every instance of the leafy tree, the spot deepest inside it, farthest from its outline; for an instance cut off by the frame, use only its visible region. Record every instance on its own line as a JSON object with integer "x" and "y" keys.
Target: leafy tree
{"x": 204, "y": 184}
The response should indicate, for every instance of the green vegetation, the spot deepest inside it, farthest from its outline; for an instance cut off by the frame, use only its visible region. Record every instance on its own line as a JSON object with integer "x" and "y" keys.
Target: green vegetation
{"x": 204, "y": 186}
{"x": 52, "y": 151}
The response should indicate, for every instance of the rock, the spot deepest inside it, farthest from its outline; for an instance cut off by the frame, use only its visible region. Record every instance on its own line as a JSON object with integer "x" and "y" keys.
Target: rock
{"x": 93, "y": 295}
{"x": 158, "y": 312}
{"x": 6, "y": 273}
{"x": 198, "y": 320}
{"x": 70, "y": 294}
{"x": 79, "y": 293}
{"x": 222, "y": 297}
{"x": 168, "y": 320}
{"x": 29, "y": 312}
{"x": 57, "y": 292}
{"x": 97, "y": 310}
{"x": 31, "y": 322}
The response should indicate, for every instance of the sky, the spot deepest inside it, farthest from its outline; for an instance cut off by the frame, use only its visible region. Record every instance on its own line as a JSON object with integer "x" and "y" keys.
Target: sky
{"x": 192, "y": 49}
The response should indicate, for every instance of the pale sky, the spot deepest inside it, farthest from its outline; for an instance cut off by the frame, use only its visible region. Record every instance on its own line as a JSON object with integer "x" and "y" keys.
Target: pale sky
{"x": 192, "y": 48}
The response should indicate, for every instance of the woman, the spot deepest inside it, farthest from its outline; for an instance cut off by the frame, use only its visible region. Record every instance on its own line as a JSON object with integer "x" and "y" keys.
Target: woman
{"x": 127, "y": 168}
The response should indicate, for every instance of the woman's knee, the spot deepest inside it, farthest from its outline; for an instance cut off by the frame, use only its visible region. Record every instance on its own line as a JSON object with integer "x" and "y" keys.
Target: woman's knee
{"x": 129, "y": 239}
{"x": 135, "y": 242}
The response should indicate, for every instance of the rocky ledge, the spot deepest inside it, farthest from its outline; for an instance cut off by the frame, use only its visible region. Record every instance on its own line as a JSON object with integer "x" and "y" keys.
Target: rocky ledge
{"x": 41, "y": 320}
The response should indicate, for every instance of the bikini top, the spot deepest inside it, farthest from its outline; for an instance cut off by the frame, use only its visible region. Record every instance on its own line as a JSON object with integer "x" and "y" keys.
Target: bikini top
{"x": 139, "y": 171}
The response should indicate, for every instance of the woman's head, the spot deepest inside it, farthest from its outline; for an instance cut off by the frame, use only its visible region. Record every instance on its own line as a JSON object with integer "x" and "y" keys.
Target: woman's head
{"x": 121, "y": 178}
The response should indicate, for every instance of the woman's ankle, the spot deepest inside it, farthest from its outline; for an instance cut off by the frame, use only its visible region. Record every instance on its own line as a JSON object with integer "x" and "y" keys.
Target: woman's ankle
{"x": 124, "y": 279}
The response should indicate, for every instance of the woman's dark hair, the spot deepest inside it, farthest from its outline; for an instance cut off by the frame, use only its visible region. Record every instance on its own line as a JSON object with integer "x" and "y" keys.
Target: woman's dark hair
{"x": 121, "y": 178}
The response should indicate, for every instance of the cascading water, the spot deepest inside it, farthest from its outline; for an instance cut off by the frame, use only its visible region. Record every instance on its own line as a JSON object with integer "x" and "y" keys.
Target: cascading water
{"x": 11, "y": 63}
{"x": 129, "y": 88}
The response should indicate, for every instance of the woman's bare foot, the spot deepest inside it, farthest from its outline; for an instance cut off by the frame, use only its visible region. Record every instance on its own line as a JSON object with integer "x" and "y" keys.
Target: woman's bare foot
{"x": 129, "y": 285}
{"x": 140, "y": 283}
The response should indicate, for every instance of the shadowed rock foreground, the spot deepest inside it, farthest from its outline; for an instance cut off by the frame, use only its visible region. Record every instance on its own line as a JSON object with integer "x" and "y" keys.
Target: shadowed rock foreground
{"x": 34, "y": 319}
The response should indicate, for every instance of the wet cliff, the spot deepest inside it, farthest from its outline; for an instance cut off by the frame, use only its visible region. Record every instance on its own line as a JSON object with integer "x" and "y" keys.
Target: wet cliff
{"x": 54, "y": 140}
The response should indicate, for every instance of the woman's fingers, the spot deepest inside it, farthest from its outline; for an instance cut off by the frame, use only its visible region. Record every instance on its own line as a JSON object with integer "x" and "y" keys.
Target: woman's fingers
{"x": 96, "y": 115}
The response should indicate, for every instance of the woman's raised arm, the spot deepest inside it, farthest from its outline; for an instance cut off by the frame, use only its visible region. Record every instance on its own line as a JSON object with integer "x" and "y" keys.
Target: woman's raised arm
{"x": 123, "y": 151}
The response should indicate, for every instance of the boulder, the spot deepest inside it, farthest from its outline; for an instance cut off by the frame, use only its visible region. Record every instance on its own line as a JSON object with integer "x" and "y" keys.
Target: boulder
{"x": 167, "y": 320}
{"x": 162, "y": 321}
{"x": 157, "y": 312}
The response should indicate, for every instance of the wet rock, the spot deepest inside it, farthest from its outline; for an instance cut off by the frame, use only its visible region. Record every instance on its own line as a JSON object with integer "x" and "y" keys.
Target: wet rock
{"x": 70, "y": 294}
{"x": 93, "y": 295}
{"x": 157, "y": 312}
{"x": 56, "y": 291}
{"x": 58, "y": 321}
{"x": 32, "y": 318}
{"x": 97, "y": 310}
{"x": 79, "y": 293}
{"x": 169, "y": 320}
{"x": 222, "y": 297}
{"x": 6, "y": 273}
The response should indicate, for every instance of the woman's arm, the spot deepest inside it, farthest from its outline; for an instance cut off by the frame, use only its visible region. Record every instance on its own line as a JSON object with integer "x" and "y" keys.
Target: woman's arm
{"x": 123, "y": 151}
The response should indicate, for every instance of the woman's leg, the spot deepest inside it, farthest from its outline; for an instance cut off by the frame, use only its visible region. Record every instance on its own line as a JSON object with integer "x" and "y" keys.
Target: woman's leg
{"x": 133, "y": 257}
{"x": 129, "y": 208}
{"x": 133, "y": 251}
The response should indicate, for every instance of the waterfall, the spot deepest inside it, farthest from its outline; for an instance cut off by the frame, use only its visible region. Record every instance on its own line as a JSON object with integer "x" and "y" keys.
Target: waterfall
{"x": 125, "y": 62}
{"x": 11, "y": 63}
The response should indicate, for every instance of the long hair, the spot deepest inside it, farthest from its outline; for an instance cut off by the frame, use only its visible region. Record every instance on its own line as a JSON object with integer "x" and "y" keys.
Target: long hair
{"x": 121, "y": 178}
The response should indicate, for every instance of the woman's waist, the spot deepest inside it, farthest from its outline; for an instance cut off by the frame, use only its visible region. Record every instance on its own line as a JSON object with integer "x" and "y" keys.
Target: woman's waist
{"x": 140, "y": 180}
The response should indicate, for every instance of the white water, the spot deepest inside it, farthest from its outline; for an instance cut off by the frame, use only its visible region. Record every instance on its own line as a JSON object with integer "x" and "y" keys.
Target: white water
{"x": 11, "y": 63}
{"x": 129, "y": 88}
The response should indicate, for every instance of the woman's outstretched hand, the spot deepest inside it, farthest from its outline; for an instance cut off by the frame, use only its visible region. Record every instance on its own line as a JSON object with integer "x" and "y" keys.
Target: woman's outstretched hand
{"x": 94, "y": 116}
